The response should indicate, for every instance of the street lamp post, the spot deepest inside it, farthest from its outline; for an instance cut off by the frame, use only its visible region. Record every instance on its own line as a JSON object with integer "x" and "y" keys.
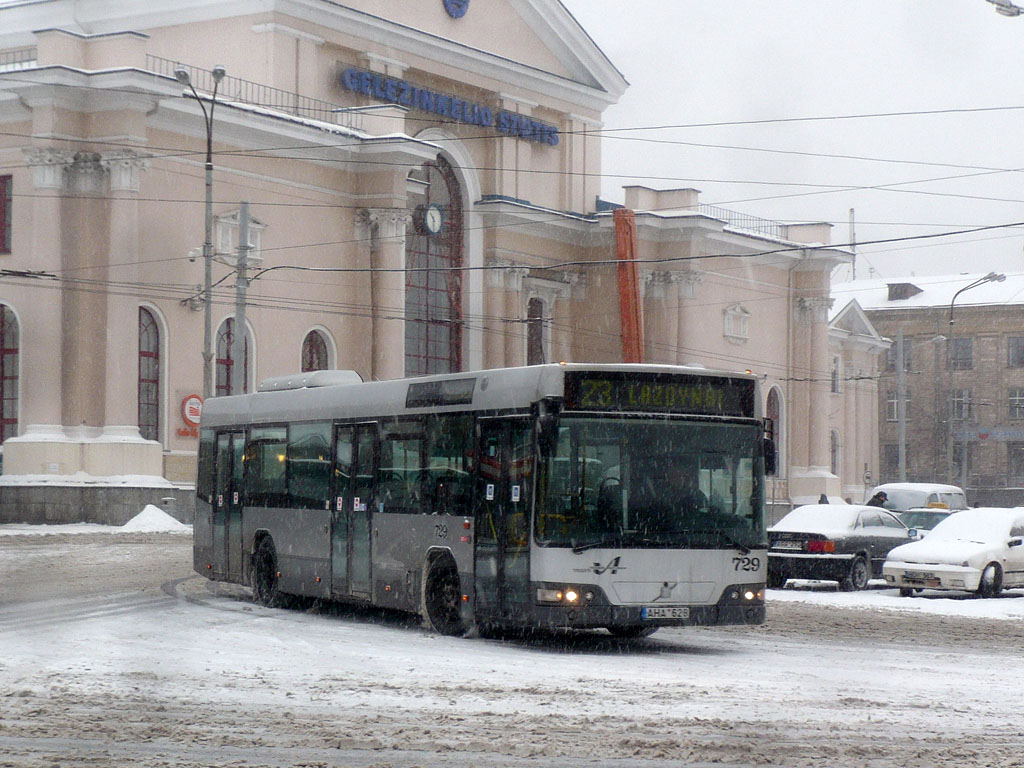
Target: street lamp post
{"x": 1006, "y": 8}
{"x": 991, "y": 277}
{"x": 182, "y": 76}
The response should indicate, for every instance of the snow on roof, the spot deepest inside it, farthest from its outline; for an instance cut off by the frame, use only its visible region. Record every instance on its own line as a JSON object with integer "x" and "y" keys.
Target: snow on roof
{"x": 929, "y": 291}
{"x": 819, "y": 518}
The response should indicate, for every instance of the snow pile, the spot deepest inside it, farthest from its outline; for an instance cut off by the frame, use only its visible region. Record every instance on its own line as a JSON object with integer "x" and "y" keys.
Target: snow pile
{"x": 154, "y": 520}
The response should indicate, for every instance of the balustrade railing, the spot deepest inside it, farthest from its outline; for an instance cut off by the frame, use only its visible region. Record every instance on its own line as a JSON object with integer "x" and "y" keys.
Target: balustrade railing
{"x": 257, "y": 94}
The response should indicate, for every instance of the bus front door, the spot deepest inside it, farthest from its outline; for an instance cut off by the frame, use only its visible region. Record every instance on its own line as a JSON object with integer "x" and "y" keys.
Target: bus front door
{"x": 503, "y": 493}
{"x": 227, "y": 506}
{"x": 355, "y": 455}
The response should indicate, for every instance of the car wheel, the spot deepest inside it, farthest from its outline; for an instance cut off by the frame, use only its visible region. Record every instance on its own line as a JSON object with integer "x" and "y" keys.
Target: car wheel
{"x": 857, "y": 577}
{"x": 991, "y": 583}
{"x": 776, "y": 580}
{"x": 906, "y": 591}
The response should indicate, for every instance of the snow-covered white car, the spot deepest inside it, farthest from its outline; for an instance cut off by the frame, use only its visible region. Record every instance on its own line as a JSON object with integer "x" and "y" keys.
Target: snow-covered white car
{"x": 976, "y": 550}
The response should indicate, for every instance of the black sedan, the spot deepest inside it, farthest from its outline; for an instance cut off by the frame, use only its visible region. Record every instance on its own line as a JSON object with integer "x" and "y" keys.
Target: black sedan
{"x": 839, "y": 542}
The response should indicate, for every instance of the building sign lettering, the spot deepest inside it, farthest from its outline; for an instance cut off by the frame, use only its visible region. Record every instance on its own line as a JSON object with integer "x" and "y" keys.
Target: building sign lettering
{"x": 392, "y": 91}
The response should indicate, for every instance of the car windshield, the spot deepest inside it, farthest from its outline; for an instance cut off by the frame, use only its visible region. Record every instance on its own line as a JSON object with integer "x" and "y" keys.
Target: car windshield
{"x": 982, "y": 525}
{"x": 651, "y": 483}
{"x": 908, "y": 498}
{"x": 923, "y": 518}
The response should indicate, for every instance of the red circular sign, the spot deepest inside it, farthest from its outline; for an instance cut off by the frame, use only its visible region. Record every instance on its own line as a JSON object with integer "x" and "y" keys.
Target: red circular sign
{"x": 192, "y": 409}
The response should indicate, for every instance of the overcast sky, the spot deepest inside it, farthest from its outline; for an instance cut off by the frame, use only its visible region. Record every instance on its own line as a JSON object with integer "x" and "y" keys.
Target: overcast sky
{"x": 693, "y": 61}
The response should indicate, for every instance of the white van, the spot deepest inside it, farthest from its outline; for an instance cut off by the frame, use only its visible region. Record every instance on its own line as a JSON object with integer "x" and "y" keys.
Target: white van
{"x": 904, "y": 496}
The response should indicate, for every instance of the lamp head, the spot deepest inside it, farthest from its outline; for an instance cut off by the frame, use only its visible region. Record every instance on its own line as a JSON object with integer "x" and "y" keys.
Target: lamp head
{"x": 218, "y": 73}
{"x": 181, "y": 75}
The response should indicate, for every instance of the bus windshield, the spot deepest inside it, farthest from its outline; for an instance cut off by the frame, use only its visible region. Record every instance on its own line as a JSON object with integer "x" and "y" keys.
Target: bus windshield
{"x": 651, "y": 483}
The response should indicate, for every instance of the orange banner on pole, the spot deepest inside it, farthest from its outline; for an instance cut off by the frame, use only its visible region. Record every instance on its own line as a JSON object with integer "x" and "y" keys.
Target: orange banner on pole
{"x": 631, "y": 316}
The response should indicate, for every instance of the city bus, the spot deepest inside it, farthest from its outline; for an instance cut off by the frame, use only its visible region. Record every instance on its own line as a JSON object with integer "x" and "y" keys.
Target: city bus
{"x": 624, "y": 497}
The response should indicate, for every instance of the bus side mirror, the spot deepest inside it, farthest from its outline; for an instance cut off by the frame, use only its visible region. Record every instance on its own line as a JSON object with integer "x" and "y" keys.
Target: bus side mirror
{"x": 770, "y": 456}
{"x": 547, "y": 426}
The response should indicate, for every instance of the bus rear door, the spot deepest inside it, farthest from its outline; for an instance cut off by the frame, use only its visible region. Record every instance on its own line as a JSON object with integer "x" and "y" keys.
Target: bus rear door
{"x": 227, "y": 505}
{"x": 355, "y": 466}
{"x": 503, "y": 493}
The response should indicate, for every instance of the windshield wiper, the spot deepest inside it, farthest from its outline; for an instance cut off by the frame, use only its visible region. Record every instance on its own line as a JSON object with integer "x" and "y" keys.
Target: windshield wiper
{"x": 579, "y": 548}
{"x": 743, "y": 549}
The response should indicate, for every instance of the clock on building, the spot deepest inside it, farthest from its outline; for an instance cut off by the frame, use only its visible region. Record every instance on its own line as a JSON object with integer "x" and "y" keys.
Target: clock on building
{"x": 428, "y": 219}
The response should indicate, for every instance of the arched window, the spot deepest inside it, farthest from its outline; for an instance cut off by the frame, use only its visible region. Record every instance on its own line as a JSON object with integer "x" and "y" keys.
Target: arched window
{"x": 9, "y": 351}
{"x": 834, "y": 452}
{"x": 149, "y": 376}
{"x": 433, "y": 289}
{"x": 314, "y": 352}
{"x": 837, "y": 371}
{"x": 225, "y": 362}
{"x": 773, "y": 411}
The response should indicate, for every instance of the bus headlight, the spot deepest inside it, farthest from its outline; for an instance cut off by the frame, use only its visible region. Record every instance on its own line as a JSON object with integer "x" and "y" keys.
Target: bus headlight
{"x": 567, "y": 596}
{"x": 746, "y": 594}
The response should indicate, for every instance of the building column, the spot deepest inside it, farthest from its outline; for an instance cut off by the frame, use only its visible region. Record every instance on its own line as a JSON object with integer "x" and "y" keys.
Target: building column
{"x": 561, "y": 319}
{"x": 819, "y": 384}
{"x": 810, "y": 473}
{"x": 122, "y": 365}
{"x": 386, "y": 229}
{"x": 686, "y": 285}
{"x": 494, "y": 323}
{"x": 515, "y": 312}
{"x": 513, "y": 157}
{"x": 41, "y": 393}
{"x": 582, "y": 150}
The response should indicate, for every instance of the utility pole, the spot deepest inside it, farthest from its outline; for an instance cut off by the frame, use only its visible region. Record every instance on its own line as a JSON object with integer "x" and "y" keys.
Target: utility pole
{"x": 853, "y": 247}
{"x": 241, "y": 286}
{"x": 901, "y": 406}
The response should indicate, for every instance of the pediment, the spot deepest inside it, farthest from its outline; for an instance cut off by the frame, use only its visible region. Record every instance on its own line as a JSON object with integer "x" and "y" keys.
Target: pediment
{"x": 852, "y": 320}
{"x": 535, "y": 45}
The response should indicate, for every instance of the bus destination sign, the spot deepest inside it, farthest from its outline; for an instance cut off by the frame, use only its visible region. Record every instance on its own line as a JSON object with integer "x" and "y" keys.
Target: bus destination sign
{"x": 660, "y": 393}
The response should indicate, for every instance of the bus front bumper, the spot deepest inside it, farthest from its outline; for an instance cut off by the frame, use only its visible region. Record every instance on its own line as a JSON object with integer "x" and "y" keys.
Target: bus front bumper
{"x": 739, "y": 604}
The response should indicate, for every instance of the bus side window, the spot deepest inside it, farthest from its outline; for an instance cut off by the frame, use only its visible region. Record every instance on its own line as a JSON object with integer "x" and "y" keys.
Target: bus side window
{"x": 309, "y": 465}
{"x": 448, "y": 478}
{"x": 400, "y": 473}
{"x": 265, "y": 469}
{"x": 205, "y": 475}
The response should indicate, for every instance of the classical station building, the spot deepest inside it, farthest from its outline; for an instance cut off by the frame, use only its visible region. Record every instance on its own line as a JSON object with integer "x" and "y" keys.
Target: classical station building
{"x": 421, "y": 182}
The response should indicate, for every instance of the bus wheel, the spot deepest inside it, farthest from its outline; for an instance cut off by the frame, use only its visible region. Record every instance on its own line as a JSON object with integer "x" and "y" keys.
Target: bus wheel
{"x": 442, "y": 598}
{"x": 264, "y": 574}
{"x": 628, "y": 633}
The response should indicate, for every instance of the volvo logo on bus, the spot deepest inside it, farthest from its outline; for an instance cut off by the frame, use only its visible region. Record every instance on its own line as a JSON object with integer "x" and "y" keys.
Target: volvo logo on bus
{"x": 613, "y": 567}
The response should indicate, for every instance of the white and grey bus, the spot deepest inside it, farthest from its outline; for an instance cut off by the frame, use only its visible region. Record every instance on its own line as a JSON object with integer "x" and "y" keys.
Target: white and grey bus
{"x": 627, "y": 497}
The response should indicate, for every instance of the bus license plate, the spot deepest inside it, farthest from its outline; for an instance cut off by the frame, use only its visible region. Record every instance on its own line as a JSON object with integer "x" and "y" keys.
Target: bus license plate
{"x": 665, "y": 612}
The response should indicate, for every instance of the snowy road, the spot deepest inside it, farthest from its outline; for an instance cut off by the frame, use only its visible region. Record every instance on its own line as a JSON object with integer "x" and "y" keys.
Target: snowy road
{"x": 112, "y": 651}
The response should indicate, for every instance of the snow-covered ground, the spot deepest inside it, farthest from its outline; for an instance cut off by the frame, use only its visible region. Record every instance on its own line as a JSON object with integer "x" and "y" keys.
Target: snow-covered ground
{"x": 112, "y": 651}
